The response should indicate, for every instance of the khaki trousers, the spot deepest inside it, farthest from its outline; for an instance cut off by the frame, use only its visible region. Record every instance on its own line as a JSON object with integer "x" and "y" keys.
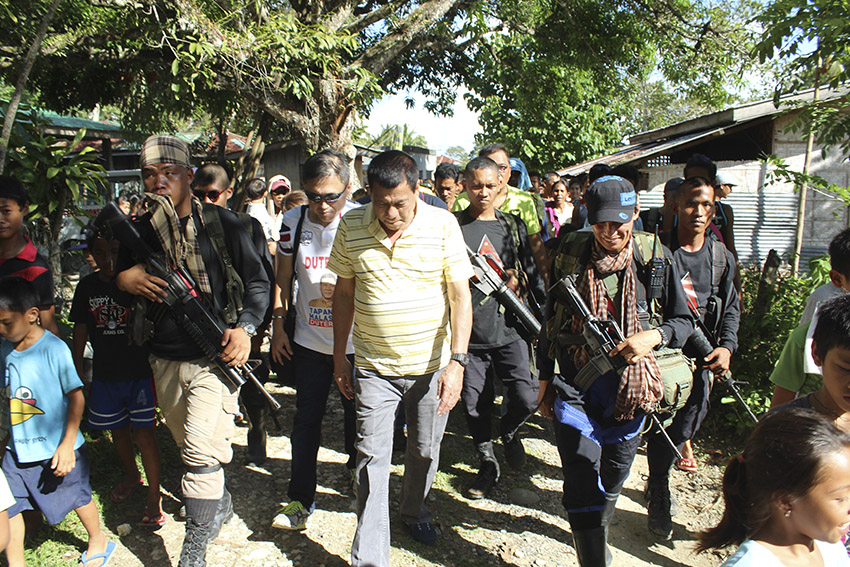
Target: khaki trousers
{"x": 198, "y": 408}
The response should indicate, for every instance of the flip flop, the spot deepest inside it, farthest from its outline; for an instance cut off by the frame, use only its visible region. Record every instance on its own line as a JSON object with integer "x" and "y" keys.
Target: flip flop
{"x": 122, "y": 492}
{"x": 154, "y": 520}
{"x": 106, "y": 555}
{"x": 687, "y": 465}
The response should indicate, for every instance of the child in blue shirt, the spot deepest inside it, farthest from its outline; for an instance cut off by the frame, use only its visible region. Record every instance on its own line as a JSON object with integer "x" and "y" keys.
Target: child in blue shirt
{"x": 46, "y": 462}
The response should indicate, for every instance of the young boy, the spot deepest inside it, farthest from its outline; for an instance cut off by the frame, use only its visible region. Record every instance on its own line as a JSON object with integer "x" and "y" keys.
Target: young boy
{"x": 121, "y": 398}
{"x": 796, "y": 372}
{"x": 18, "y": 256}
{"x": 831, "y": 351}
{"x": 495, "y": 343}
{"x": 46, "y": 462}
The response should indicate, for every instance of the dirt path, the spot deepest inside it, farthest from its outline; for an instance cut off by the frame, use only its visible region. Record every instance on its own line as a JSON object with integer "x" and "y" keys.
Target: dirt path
{"x": 494, "y": 531}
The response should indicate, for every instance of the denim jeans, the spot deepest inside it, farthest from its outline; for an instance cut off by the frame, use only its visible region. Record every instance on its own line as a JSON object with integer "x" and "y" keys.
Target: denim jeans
{"x": 313, "y": 382}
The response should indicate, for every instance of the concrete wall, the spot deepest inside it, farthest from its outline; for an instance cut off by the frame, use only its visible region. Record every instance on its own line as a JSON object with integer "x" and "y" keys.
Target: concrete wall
{"x": 765, "y": 208}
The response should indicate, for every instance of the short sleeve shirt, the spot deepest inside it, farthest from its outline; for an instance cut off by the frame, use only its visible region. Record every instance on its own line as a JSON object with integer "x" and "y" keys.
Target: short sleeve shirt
{"x": 520, "y": 203}
{"x": 314, "y": 298}
{"x": 38, "y": 381}
{"x": 753, "y": 554}
{"x": 105, "y": 311}
{"x": 401, "y": 307}
{"x": 31, "y": 266}
{"x": 825, "y": 292}
{"x": 789, "y": 371}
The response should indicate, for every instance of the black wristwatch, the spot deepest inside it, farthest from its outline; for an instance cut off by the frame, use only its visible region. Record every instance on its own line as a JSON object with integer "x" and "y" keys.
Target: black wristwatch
{"x": 461, "y": 358}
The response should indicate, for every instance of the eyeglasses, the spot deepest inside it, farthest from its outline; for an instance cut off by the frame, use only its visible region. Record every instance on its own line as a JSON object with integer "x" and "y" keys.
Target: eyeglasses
{"x": 329, "y": 198}
{"x": 212, "y": 195}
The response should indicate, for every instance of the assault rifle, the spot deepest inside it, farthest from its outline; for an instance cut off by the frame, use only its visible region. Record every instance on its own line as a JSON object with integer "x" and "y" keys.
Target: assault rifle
{"x": 491, "y": 280}
{"x": 703, "y": 340}
{"x": 601, "y": 337}
{"x": 182, "y": 298}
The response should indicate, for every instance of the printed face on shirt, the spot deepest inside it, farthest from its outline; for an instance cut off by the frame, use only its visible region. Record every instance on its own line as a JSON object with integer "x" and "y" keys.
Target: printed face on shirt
{"x": 169, "y": 180}
{"x": 105, "y": 254}
{"x": 15, "y": 326}
{"x": 396, "y": 207}
{"x": 482, "y": 186}
{"x": 695, "y": 208}
{"x": 613, "y": 236}
{"x": 824, "y": 512}
{"x": 323, "y": 212}
{"x": 11, "y": 218}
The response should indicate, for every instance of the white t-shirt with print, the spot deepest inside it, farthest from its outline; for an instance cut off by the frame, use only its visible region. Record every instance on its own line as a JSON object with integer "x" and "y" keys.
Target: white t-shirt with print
{"x": 313, "y": 298}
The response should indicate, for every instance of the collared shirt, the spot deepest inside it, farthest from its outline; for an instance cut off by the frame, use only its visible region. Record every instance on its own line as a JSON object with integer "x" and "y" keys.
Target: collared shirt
{"x": 31, "y": 266}
{"x": 401, "y": 307}
{"x": 520, "y": 203}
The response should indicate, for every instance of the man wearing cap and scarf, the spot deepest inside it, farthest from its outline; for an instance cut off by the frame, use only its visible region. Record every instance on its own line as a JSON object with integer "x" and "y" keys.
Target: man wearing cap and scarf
{"x": 197, "y": 404}
{"x": 598, "y": 430}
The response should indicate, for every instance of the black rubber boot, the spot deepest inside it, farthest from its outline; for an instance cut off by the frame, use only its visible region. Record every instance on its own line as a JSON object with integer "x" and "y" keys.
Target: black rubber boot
{"x": 659, "y": 520}
{"x": 590, "y": 547}
{"x": 607, "y": 514}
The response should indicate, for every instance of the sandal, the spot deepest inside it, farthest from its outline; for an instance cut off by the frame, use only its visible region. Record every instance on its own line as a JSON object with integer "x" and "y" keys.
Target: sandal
{"x": 123, "y": 491}
{"x": 105, "y": 556}
{"x": 153, "y": 520}
{"x": 687, "y": 465}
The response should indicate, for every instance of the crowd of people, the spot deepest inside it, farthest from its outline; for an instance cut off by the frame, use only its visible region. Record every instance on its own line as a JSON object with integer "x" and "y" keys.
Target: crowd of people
{"x": 611, "y": 321}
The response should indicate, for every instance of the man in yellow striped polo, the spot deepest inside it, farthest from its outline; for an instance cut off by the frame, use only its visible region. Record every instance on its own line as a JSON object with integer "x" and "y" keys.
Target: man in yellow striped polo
{"x": 403, "y": 277}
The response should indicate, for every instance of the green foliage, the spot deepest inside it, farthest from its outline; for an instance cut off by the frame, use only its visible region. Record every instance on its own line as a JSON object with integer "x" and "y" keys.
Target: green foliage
{"x": 395, "y": 136}
{"x": 780, "y": 171}
{"x": 761, "y": 337}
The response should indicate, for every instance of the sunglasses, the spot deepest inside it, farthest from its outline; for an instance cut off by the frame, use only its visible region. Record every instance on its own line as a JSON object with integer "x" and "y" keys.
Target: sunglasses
{"x": 212, "y": 195}
{"x": 329, "y": 198}
{"x": 280, "y": 191}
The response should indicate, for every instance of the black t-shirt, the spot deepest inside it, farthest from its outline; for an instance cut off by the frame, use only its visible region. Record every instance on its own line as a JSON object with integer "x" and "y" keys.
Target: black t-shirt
{"x": 105, "y": 310}
{"x": 489, "y": 327}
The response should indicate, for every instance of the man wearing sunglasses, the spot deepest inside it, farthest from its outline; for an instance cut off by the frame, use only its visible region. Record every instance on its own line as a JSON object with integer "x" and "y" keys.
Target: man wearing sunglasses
{"x": 209, "y": 185}
{"x": 326, "y": 183}
{"x": 279, "y": 187}
{"x": 198, "y": 405}
{"x": 402, "y": 266}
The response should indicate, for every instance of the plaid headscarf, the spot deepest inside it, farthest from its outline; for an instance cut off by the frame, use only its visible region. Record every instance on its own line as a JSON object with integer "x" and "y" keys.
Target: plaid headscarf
{"x": 164, "y": 149}
{"x": 180, "y": 249}
{"x": 640, "y": 384}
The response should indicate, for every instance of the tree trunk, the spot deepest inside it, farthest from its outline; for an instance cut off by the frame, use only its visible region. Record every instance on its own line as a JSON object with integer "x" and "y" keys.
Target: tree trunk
{"x": 12, "y": 111}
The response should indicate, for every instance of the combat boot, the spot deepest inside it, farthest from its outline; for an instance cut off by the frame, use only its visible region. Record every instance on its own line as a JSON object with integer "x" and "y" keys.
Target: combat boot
{"x": 194, "y": 551}
{"x": 659, "y": 520}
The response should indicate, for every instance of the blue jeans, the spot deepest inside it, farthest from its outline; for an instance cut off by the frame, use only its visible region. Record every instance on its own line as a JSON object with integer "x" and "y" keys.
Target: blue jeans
{"x": 313, "y": 381}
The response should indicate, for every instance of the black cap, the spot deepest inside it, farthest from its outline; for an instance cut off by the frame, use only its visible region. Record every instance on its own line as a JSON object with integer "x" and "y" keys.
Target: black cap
{"x": 610, "y": 199}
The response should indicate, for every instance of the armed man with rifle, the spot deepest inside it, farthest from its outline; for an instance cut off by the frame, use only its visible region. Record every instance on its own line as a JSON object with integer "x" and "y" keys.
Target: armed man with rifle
{"x": 626, "y": 278}
{"x": 707, "y": 271}
{"x": 501, "y": 324}
{"x": 198, "y": 397}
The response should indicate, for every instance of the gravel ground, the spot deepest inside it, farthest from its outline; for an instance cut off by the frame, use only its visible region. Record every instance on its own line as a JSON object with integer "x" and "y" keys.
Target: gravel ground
{"x": 521, "y": 524}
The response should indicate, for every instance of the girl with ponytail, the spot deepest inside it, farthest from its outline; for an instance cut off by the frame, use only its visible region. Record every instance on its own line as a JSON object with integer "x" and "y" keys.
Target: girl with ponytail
{"x": 787, "y": 495}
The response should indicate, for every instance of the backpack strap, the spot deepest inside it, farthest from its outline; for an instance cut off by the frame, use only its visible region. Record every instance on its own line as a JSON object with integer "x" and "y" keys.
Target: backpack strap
{"x": 295, "y": 244}
{"x": 234, "y": 287}
{"x": 718, "y": 265}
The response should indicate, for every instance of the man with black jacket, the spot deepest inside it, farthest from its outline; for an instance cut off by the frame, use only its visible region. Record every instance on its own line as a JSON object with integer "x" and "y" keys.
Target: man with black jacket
{"x": 707, "y": 271}
{"x": 598, "y": 428}
{"x": 198, "y": 405}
